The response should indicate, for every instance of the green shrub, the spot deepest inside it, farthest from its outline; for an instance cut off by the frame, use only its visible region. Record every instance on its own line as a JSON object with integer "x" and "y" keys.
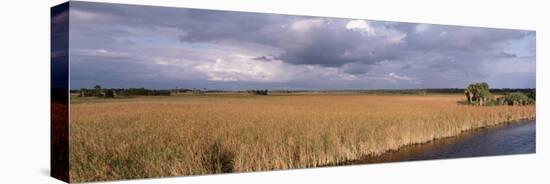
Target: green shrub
{"x": 532, "y": 95}
{"x": 109, "y": 93}
{"x": 517, "y": 98}
{"x": 478, "y": 93}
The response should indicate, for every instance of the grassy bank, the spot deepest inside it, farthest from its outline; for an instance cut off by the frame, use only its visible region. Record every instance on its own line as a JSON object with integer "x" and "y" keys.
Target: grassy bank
{"x": 189, "y": 135}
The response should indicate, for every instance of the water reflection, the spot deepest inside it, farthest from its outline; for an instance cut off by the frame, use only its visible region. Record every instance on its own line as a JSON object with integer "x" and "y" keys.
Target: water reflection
{"x": 515, "y": 138}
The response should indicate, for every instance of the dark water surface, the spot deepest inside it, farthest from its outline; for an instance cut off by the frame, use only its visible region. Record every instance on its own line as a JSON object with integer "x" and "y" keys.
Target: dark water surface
{"x": 514, "y": 138}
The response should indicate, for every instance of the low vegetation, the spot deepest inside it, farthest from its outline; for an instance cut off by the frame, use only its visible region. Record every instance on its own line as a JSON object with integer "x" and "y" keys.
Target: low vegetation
{"x": 516, "y": 98}
{"x": 479, "y": 94}
{"x": 258, "y": 92}
{"x": 214, "y": 133}
{"x": 100, "y": 92}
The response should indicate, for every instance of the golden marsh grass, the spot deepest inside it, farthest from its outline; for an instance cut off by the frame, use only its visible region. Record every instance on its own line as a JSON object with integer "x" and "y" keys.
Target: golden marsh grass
{"x": 190, "y": 135}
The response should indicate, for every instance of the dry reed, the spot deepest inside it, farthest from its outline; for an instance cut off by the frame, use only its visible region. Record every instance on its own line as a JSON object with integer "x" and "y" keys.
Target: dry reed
{"x": 190, "y": 135}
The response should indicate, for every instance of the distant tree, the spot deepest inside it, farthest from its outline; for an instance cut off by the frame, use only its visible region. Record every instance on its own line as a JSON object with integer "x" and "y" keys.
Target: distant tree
{"x": 532, "y": 94}
{"x": 82, "y": 92}
{"x": 259, "y": 92}
{"x": 422, "y": 92}
{"x": 98, "y": 91}
{"x": 109, "y": 93}
{"x": 478, "y": 93}
{"x": 517, "y": 98}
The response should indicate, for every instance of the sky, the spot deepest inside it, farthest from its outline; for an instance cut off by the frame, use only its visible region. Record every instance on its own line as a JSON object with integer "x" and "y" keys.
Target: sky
{"x": 122, "y": 46}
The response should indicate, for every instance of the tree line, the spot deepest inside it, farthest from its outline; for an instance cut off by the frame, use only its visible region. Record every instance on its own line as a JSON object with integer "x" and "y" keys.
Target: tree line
{"x": 480, "y": 94}
{"x": 98, "y": 91}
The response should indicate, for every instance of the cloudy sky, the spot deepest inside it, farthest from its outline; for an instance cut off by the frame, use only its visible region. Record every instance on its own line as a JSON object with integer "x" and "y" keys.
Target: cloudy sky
{"x": 159, "y": 47}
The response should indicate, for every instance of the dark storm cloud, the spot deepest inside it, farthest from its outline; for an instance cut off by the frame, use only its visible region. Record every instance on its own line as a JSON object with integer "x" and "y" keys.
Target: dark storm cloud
{"x": 458, "y": 38}
{"x": 356, "y": 68}
{"x": 507, "y": 55}
{"x": 305, "y": 40}
{"x": 215, "y": 47}
{"x": 265, "y": 58}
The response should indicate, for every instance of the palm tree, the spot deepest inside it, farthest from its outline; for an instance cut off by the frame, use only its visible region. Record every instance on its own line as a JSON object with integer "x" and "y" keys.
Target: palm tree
{"x": 97, "y": 90}
{"x": 477, "y": 92}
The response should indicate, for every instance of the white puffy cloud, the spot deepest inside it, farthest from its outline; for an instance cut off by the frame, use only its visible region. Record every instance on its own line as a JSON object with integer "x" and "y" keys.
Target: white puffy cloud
{"x": 83, "y": 15}
{"x": 99, "y": 53}
{"x": 420, "y": 28}
{"x": 382, "y": 30}
{"x": 393, "y": 76}
{"x": 361, "y": 26}
{"x": 241, "y": 68}
{"x": 305, "y": 25}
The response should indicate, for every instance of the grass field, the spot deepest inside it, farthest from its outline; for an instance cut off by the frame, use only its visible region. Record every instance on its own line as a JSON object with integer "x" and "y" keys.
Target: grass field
{"x": 189, "y": 135}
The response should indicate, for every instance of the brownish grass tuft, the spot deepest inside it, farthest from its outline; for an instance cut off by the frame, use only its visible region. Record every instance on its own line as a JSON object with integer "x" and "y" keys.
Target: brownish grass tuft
{"x": 190, "y": 135}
